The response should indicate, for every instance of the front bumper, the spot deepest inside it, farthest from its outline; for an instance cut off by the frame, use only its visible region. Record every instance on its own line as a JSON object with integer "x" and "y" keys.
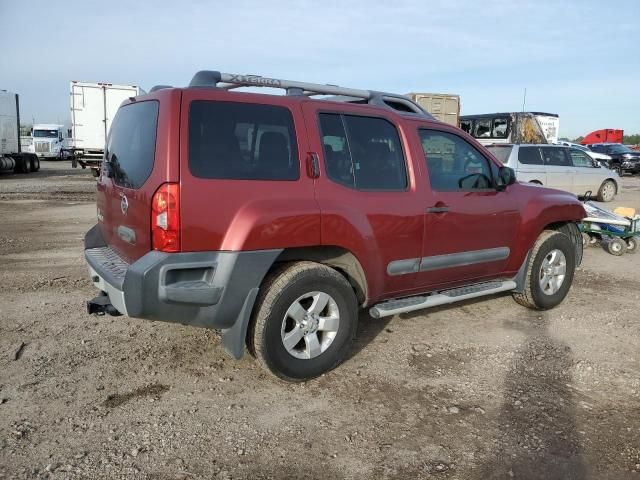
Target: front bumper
{"x": 203, "y": 289}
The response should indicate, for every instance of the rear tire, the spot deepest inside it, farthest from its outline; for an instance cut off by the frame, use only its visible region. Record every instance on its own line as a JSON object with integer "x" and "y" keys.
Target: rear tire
{"x": 293, "y": 332}
{"x": 26, "y": 164}
{"x": 549, "y": 273}
{"x": 616, "y": 246}
{"x": 34, "y": 163}
{"x": 607, "y": 191}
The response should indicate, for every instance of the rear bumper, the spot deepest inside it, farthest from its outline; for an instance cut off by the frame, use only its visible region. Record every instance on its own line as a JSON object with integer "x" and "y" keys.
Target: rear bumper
{"x": 204, "y": 289}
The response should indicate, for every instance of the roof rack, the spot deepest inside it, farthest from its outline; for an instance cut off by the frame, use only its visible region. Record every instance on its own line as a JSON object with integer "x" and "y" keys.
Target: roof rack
{"x": 231, "y": 81}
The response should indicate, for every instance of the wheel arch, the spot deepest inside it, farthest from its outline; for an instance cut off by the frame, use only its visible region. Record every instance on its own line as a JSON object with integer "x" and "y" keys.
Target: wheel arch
{"x": 338, "y": 258}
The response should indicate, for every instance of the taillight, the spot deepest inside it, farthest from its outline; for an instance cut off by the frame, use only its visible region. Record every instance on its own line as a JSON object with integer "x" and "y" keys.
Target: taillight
{"x": 165, "y": 218}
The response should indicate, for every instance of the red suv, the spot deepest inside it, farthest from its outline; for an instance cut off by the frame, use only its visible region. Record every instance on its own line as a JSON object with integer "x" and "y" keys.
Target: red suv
{"x": 277, "y": 217}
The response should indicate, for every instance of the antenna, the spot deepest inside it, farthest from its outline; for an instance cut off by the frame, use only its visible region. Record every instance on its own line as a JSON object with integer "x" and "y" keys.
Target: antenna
{"x": 524, "y": 99}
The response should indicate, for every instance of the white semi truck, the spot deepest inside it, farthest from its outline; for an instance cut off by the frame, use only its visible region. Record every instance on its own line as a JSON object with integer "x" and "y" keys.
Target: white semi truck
{"x": 49, "y": 140}
{"x": 12, "y": 158}
{"x": 93, "y": 107}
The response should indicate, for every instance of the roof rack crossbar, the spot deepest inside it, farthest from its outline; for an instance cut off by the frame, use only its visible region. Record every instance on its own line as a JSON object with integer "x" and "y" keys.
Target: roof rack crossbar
{"x": 229, "y": 81}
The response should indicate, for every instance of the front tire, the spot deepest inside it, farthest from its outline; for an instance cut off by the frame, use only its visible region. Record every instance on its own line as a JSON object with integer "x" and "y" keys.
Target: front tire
{"x": 616, "y": 246}
{"x": 304, "y": 321}
{"x": 607, "y": 191}
{"x": 632, "y": 244}
{"x": 549, "y": 273}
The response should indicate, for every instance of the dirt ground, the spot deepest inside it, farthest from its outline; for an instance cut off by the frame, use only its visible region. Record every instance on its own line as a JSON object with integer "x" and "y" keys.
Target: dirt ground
{"x": 481, "y": 390}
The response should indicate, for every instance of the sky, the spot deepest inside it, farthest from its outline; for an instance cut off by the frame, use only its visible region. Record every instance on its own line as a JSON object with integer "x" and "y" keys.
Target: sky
{"x": 578, "y": 59}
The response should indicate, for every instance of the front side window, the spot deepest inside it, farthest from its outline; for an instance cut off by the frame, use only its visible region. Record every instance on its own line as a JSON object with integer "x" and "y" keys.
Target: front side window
{"x": 580, "y": 159}
{"x": 453, "y": 164}
{"x": 242, "y": 141}
{"x": 131, "y": 145}
{"x": 555, "y": 157}
{"x": 364, "y": 153}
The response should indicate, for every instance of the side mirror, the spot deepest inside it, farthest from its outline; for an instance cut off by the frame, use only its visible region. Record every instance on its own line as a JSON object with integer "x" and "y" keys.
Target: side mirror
{"x": 506, "y": 177}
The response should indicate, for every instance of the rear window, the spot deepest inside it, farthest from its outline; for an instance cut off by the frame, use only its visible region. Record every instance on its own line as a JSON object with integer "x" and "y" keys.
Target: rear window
{"x": 501, "y": 153}
{"x": 242, "y": 141}
{"x": 131, "y": 146}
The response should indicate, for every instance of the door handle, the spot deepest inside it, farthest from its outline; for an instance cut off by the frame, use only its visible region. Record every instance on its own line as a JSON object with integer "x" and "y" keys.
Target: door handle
{"x": 313, "y": 166}
{"x": 438, "y": 209}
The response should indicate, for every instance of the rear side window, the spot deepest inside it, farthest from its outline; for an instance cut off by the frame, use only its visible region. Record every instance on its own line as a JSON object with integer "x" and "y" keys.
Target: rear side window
{"x": 501, "y": 153}
{"x": 529, "y": 156}
{"x": 482, "y": 128}
{"x": 555, "y": 157}
{"x": 363, "y": 152}
{"x": 242, "y": 141}
{"x": 500, "y": 127}
{"x": 131, "y": 146}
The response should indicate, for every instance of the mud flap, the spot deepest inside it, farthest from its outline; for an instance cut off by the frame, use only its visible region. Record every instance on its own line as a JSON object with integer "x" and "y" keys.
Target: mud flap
{"x": 234, "y": 338}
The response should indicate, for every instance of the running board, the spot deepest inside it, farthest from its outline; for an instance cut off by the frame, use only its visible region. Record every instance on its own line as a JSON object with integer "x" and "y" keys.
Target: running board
{"x": 402, "y": 305}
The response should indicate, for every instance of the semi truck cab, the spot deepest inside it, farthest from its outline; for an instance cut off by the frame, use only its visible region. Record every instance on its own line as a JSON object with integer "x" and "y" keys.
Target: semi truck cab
{"x": 48, "y": 140}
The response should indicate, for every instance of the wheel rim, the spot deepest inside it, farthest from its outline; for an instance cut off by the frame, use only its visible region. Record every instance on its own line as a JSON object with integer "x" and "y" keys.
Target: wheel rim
{"x": 616, "y": 247}
{"x": 310, "y": 325}
{"x": 552, "y": 272}
{"x": 608, "y": 191}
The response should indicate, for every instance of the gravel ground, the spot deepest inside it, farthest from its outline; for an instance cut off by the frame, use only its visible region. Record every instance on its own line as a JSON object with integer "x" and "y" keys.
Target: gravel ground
{"x": 482, "y": 390}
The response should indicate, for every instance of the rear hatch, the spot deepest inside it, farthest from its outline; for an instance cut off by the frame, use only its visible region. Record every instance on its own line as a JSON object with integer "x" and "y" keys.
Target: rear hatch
{"x": 136, "y": 163}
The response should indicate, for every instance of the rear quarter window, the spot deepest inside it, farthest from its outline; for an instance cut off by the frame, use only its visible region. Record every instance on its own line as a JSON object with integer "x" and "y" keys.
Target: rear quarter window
{"x": 242, "y": 141}
{"x": 131, "y": 146}
{"x": 501, "y": 153}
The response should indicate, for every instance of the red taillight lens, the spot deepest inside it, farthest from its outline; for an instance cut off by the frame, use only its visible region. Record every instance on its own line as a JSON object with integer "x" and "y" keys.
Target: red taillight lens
{"x": 165, "y": 218}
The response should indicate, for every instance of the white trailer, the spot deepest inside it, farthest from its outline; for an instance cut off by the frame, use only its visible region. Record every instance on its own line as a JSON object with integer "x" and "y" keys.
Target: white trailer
{"x": 11, "y": 156}
{"x": 93, "y": 107}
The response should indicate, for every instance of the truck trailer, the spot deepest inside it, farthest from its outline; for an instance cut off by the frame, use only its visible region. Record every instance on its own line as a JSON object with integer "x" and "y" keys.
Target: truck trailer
{"x": 443, "y": 106}
{"x": 12, "y": 158}
{"x": 93, "y": 107}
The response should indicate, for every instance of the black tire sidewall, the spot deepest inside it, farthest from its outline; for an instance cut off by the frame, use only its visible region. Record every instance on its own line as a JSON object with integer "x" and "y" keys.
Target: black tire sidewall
{"x": 281, "y": 362}
{"x": 563, "y": 243}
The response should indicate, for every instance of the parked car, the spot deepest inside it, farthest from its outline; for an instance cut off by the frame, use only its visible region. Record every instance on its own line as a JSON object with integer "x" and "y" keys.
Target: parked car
{"x": 560, "y": 167}
{"x": 623, "y": 159}
{"x": 602, "y": 158}
{"x": 277, "y": 217}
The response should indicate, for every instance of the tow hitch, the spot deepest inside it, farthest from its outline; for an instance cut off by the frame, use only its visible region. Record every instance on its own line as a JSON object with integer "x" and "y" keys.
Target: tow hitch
{"x": 101, "y": 305}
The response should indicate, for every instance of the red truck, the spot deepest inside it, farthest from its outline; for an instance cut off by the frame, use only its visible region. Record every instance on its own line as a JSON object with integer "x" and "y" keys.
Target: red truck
{"x": 275, "y": 218}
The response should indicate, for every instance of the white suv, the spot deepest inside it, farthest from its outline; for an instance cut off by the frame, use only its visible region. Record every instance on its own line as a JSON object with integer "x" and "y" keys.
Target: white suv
{"x": 558, "y": 166}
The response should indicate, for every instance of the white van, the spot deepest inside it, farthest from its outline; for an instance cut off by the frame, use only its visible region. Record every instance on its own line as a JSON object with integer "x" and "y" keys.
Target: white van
{"x": 558, "y": 166}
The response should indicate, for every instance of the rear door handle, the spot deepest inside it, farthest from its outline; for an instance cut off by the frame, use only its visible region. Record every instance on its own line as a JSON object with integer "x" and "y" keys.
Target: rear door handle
{"x": 438, "y": 209}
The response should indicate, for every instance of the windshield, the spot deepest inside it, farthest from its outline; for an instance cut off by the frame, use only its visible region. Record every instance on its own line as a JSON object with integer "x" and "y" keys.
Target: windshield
{"x": 45, "y": 133}
{"x": 501, "y": 153}
{"x": 621, "y": 149}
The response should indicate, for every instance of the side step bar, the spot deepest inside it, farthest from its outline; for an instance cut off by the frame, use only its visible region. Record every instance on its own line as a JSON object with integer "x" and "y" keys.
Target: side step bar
{"x": 402, "y": 305}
